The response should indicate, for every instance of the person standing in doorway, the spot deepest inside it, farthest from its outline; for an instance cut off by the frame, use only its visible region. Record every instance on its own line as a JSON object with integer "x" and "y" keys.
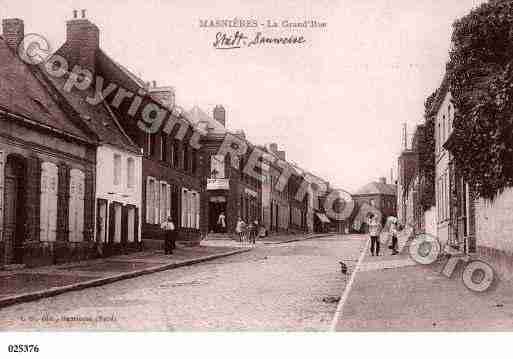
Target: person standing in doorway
{"x": 169, "y": 235}
{"x": 221, "y": 223}
{"x": 374, "y": 232}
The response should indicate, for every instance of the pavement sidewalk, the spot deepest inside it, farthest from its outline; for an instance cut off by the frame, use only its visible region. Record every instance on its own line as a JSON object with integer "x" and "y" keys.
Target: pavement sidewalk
{"x": 17, "y": 286}
{"x": 393, "y": 293}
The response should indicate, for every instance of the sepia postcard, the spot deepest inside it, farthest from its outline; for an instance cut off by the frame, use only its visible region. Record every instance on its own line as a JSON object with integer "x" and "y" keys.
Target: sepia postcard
{"x": 262, "y": 166}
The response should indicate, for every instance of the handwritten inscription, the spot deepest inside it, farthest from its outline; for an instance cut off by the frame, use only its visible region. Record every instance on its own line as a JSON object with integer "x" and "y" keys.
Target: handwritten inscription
{"x": 237, "y": 40}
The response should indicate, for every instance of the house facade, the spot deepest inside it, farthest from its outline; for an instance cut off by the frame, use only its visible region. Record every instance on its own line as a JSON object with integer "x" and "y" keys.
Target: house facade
{"x": 228, "y": 189}
{"x": 157, "y": 142}
{"x": 118, "y": 194}
{"x": 47, "y": 168}
{"x": 379, "y": 195}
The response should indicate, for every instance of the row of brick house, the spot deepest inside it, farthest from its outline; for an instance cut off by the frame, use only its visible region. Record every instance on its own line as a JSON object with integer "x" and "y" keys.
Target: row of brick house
{"x": 78, "y": 177}
{"x": 232, "y": 191}
{"x": 467, "y": 223}
{"x": 84, "y": 172}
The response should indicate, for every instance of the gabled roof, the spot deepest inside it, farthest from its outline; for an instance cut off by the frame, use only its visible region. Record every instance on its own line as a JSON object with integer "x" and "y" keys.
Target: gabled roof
{"x": 204, "y": 122}
{"x": 23, "y": 94}
{"x": 377, "y": 188}
{"x": 98, "y": 118}
{"x": 126, "y": 79}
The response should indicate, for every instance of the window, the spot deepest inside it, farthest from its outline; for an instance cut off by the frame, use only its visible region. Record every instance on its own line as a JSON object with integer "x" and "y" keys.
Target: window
{"x": 185, "y": 208}
{"x": 194, "y": 161}
{"x": 117, "y": 223}
{"x": 151, "y": 143}
{"x": 439, "y": 137}
{"x": 150, "y": 200}
{"x": 217, "y": 167}
{"x": 176, "y": 154}
{"x": 172, "y": 150}
{"x": 117, "y": 169}
{"x": 241, "y": 167}
{"x": 130, "y": 172}
{"x": 164, "y": 201}
{"x": 163, "y": 147}
{"x": 186, "y": 158}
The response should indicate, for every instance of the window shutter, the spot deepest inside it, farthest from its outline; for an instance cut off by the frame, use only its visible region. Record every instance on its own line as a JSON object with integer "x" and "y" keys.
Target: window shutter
{"x": 198, "y": 207}
{"x": 163, "y": 201}
{"x": 76, "y": 205}
{"x": 184, "y": 208}
{"x": 48, "y": 213}
{"x": 149, "y": 206}
{"x": 168, "y": 200}
{"x": 156, "y": 189}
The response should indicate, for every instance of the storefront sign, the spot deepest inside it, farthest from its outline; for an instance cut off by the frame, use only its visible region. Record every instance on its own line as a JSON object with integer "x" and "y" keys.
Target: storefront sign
{"x": 218, "y": 183}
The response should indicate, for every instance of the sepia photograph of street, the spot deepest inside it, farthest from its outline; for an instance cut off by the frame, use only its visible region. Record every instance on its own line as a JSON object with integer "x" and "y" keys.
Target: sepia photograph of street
{"x": 256, "y": 166}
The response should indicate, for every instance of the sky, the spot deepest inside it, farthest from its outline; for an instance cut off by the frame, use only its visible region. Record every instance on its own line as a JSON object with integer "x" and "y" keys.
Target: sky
{"x": 335, "y": 104}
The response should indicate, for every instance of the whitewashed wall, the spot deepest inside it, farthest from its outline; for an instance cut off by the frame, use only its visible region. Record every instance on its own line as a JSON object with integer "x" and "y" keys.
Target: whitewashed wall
{"x": 105, "y": 187}
{"x": 494, "y": 222}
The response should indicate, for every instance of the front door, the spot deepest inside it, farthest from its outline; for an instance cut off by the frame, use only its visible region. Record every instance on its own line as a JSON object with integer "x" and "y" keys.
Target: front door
{"x": 101, "y": 221}
{"x": 14, "y": 215}
{"x": 215, "y": 209}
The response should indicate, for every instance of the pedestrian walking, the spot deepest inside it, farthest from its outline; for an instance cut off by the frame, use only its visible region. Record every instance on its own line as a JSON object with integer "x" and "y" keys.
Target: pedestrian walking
{"x": 255, "y": 230}
{"x": 221, "y": 223}
{"x": 240, "y": 228}
{"x": 394, "y": 232}
{"x": 169, "y": 233}
{"x": 374, "y": 231}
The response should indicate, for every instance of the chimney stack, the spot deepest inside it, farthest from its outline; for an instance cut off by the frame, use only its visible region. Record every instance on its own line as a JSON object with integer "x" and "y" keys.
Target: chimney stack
{"x": 83, "y": 42}
{"x": 163, "y": 94}
{"x": 281, "y": 155}
{"x": 220, "y": 115}
{"x": 383, "y": 180}
{"x": 273, "y": 147}
{"x": 13, "y": 31}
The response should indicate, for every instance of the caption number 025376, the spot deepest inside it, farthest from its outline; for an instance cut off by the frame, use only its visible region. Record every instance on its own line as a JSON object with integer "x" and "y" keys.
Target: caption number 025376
{"x": 23, "y": 348}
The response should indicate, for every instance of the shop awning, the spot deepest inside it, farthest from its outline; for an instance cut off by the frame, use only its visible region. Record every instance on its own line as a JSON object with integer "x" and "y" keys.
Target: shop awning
{"x": 322, "y": 217}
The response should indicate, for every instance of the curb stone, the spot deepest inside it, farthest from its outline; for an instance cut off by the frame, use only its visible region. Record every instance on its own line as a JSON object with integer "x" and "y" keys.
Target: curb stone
{"x": 28, "y": 297}
{"x": 301, "y": 239}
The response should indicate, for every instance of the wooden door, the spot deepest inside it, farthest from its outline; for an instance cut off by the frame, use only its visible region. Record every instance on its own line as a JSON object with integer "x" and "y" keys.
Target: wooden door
{"x": 14, "y": 213}
{"x": 101, "y": 221}
{"x": 10, "y": 223}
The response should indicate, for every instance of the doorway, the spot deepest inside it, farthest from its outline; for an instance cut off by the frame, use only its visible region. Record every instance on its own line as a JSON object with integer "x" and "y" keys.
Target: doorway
{"x": 15, "y": 213}
{"x": 101, "y": 221}
{"x": 217, "y": 205}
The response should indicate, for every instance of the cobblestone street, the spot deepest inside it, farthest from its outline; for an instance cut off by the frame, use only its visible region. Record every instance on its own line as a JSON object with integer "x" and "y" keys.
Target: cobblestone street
{"x": 291, "y": 287}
